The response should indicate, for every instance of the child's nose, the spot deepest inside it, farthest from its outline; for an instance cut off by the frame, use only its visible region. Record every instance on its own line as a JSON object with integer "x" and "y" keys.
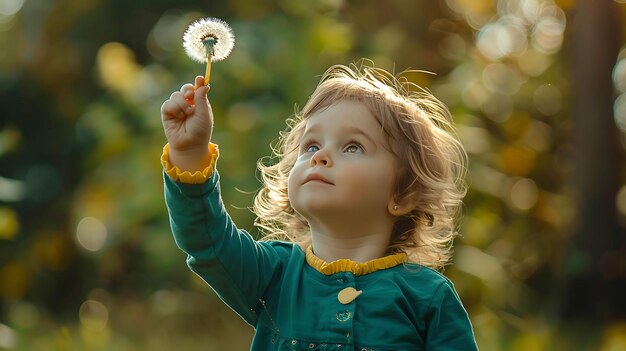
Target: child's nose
{"x": 321, "y": 158}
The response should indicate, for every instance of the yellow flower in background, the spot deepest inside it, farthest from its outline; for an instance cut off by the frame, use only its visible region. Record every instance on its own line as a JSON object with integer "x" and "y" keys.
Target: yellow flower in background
{"x": 117, "y": 67}
{"x": 614, "y": 338}
{"x": 15, "y": 279}
{"x": 9, "y": 223}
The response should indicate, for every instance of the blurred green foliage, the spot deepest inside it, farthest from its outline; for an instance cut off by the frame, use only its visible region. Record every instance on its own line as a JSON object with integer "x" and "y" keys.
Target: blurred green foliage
{"x": 86, "y": 258}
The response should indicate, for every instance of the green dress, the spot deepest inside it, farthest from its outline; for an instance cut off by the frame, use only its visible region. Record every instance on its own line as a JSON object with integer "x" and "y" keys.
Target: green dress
{"x": 291, "y": 297}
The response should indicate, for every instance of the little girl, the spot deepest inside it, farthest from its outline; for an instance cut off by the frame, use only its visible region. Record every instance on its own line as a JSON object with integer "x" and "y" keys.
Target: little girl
{"x": 359, "y": 212}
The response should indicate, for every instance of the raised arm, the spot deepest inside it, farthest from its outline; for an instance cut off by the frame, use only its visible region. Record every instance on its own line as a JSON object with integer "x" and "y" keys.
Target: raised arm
{"x": 236, "y": 266}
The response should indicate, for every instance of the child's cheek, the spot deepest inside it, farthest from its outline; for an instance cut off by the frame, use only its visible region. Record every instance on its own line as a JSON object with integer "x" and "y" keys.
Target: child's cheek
{"x": 291, "y": 187}
{"x": 294, "y": 182}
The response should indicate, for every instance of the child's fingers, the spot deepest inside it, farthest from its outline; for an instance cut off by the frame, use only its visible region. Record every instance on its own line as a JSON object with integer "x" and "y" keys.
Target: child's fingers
{"x": 170, "y": 109}
{"x": 199, "y": 82}
{"x": 201, "y": 102}
{"x": 187, "y": 90}
{"x": 181, "y": 101}
{"x": 176, "y": 106}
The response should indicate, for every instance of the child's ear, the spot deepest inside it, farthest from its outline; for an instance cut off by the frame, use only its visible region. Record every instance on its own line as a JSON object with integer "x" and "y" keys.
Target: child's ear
{"x": 400, "y": 207}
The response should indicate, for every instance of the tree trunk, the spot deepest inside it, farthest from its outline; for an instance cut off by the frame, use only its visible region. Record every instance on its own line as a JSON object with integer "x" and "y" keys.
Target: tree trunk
{"x": 593, "y": 284}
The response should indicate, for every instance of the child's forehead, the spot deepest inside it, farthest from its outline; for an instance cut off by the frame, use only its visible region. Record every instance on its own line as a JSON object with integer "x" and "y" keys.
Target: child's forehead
{"x": 344, "y": 112}
{"x": 348, "y": 119}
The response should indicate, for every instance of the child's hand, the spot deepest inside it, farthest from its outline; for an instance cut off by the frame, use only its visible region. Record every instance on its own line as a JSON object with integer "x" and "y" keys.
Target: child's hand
{"x": 188, "y": 123}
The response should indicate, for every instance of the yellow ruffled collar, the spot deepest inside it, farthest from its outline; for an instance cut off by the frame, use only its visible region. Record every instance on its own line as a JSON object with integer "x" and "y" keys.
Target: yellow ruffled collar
{"x": 356, "y": 268}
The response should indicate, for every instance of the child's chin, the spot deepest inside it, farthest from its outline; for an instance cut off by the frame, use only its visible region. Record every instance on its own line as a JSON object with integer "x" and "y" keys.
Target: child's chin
{"x": 320, "y": 210}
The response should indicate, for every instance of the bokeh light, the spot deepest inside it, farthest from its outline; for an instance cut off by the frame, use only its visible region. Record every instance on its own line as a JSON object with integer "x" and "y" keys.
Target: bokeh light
{"x": 505, "y": 37}
{"x": 24, "y": 315}
{"x": 498, "y": 77}
{"x": 547, "y": 99}
{"x": 619, "y": 74}
{"x": 619, "y": 112}
{"x": 10, "y": 7}
{"x": 533, "y": 63}
{"x": 94, "y": 319}
{"x": 91, "y": 233}
{"x": 117, "y": 67}
{"x": 619, "y": 82}
{"x": 8, "y": 337}
{"x": 620, "y": 201}
{"x": 524, "y": 193}
{"x": 93, "y": 314}
{"x": 165, "y": 36}
{"x": 547, "y": 36}
{"x": 11, "y": 190}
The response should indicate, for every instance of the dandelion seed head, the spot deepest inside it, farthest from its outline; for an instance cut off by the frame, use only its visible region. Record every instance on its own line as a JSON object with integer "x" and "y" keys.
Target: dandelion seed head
{"x": 203, "y": 28}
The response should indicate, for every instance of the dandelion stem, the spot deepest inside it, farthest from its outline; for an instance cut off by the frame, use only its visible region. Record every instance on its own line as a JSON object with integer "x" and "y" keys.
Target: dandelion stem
{"x": 209, "y": 45}
{"x": 207, "y": 74}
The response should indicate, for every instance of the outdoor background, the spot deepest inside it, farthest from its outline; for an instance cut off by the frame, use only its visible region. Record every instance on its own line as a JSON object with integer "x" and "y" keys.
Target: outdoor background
{"x": 87, "y": 261}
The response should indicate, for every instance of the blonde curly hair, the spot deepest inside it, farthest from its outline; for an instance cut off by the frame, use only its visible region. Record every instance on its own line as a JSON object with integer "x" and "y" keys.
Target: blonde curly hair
{"x": 420, "y": 134}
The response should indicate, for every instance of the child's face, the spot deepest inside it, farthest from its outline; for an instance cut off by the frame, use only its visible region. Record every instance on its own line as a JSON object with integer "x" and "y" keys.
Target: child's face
{"x": 344, "y": 168}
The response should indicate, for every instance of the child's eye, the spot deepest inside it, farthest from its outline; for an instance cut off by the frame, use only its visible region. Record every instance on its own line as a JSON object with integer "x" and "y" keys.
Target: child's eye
{"x": 312, "y": 148}
{"x": 309, "y": 146}
{"x": 353, "y": 148}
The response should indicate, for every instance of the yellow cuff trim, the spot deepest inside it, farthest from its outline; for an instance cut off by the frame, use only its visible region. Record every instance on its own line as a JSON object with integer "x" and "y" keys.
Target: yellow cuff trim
{"x": 196, "y": 177}
{"x": 356, "y": 268}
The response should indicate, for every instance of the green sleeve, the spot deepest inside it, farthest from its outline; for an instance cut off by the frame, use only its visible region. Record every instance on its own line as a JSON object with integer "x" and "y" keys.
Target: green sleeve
{"x": 448, "y": 325}
{"x": 236, "y": 266}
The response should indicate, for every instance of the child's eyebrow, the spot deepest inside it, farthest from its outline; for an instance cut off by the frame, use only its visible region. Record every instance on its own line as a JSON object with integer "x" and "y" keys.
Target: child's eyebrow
{"x": 344, "y": 130}
{"x": 355, "y": 130}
